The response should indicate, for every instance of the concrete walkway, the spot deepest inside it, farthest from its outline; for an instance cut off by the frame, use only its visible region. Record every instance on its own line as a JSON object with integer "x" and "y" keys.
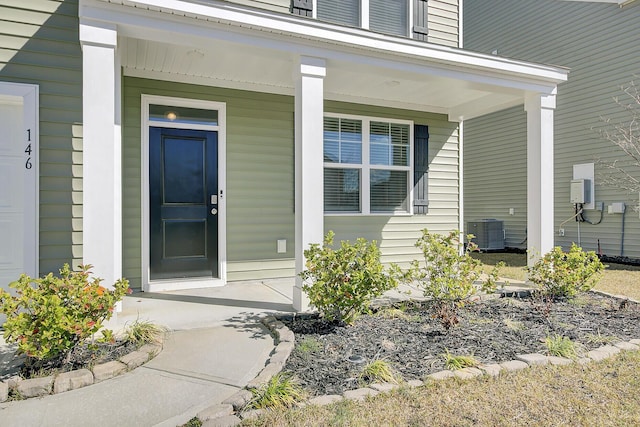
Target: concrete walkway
{"x": 216, "y": 346}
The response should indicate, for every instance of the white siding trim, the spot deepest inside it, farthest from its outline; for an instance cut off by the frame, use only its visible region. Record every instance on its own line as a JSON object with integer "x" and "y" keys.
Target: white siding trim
{"x": 221, "y": 107}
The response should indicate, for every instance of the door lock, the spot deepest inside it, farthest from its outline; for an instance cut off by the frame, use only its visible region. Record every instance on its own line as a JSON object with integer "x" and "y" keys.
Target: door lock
{"x": 214, "y": 211}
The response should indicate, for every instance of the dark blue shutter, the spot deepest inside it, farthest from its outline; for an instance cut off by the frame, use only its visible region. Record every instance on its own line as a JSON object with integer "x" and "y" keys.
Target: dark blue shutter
{"x": 420, "y": 169}
{"x": 420, "y": 19}
{"x": 302, "y": 7}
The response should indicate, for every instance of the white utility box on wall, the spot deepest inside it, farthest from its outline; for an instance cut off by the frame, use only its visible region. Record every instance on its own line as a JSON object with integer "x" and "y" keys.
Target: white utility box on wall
{"x": 580, "y": 191}
{"x": 616, "y": 208}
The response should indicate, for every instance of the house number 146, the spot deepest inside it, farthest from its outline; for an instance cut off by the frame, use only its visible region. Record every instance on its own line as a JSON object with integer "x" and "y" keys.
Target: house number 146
{"x": 28, "y": 150}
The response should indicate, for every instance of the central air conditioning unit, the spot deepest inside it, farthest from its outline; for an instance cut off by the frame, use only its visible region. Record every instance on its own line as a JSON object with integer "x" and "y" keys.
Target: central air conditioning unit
{"x": 489, "y": 234}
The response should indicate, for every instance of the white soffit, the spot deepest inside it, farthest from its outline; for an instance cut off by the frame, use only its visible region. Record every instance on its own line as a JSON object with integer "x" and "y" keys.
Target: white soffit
{"x": 234, "y": 46}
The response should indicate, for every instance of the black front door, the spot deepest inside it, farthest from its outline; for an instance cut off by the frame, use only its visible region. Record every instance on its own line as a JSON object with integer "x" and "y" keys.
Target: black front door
{"x": 183, "y": 203}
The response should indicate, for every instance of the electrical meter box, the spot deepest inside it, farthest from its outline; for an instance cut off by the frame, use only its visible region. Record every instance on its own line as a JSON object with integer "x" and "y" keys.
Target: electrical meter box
{"x": 580, "y": 191}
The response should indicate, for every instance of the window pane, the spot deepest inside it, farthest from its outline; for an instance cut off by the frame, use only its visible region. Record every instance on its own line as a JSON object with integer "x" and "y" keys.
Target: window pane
{"x": 342, "y": 140}
{"x": 340, "y": 11}
{"x": 351, "y": 153}
{"x": 163, "y": 113}
{"x": 379, "y": 132}
{"x": 389, "y": 144}
{"x": 331, "y": 151}
{"x": 388, "y": 190}
{"x": 400, "y": 155}
{"x": 379, "y": 154}
{"x": 341, "y": 190}
{"x": 389, "y": 16}
{"x": 399, "y": 134}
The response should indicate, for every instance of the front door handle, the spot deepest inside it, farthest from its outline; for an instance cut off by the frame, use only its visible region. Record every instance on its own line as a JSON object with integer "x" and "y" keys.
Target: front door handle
{"x": 214, "y": 211}
{"x": 214, "y": 199}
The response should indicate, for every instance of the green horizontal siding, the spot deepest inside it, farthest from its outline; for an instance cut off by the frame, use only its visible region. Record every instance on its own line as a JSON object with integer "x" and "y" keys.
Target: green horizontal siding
{"x": 599, "y": 43}
{"x": 39, "y": 45}
{"x": 275, "y": 5}
{"x": 443, "y": 22}
{"x": 397, "y": 234}
{"x": 260, "y": 176}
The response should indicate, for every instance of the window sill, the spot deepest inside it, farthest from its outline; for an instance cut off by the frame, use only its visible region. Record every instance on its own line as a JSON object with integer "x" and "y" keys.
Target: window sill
{"x": 369, "y": 214}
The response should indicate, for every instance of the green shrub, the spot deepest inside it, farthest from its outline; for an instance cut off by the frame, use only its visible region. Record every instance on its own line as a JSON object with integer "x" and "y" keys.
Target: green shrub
{"x": 449, "y": 275}
{"x": 563, "y": 275}
{"x": 341, "y": 282}
{"x": 49, "y": 316}
{"x": 282, "y": 391}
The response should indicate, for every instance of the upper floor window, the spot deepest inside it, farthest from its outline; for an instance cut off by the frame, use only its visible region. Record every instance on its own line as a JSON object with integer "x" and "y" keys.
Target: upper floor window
{"x": 345, "y": 12}
{"x": 384, "y": 16}
{"x": 389, "y": 16}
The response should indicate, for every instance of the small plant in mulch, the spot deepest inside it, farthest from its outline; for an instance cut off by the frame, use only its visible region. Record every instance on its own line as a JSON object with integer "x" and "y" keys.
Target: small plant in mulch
{"x": 378, "y": 371}
{"x": 142, "y": 332}
{"x": 342, "y": 282}
{"x": 599, "y": 338}
{"x": 560, "y": 346}
{"x": 559, "y": 275}
{"x": 281, "y": 391}
{"x": 456, "y": 362}
{"x": 308, "y": 346}
{"x": 51, "y": 317}
{"x": 449, "y": 276}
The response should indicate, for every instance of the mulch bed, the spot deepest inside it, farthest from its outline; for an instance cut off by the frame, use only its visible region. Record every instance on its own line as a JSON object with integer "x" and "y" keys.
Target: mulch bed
{"x": 82, "y": 356}
{"x": 492, "y": 330}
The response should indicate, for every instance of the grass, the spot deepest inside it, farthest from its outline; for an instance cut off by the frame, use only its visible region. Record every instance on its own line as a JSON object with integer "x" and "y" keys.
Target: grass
{"x": 282, "y": 391}
{"x": 454, "y": 362}
{"x": 309, "y": 345}
{"x": 513, "y": 263}
{"x": 617, "y": 279}
{"x": 539, "y": 396}
{"x": 561, "y": 346}
{"x": 143, "y": 332}
{"x": 598, "y": 338}
{"x": 378, "y": 371}
{"x": 514, "y": 325}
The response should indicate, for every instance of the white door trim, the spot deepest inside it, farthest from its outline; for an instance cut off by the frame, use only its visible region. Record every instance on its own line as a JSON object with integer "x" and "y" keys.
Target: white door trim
{"x": 221, "y": 107}
{"x": 27, "y": 95}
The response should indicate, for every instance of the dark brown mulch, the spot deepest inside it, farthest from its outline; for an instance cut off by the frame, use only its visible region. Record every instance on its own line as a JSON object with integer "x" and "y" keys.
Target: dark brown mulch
{"x": 493, "y": 330}
{"x": 82, "y": 356}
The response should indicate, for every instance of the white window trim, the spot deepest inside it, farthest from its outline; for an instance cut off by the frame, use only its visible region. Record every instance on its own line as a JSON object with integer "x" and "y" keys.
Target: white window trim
{"x": 365, "y": 16}
{"x": 365, "y": 167}
{"x": 221, "y": 107}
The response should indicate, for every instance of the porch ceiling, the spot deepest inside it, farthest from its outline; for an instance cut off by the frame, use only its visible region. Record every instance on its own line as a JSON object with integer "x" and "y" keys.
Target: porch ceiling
{"x": 227, "y": 45}
{"x": 249, "y": 67}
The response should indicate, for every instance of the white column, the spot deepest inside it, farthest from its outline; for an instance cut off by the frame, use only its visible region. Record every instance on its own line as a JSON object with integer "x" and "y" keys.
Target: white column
{"x": 101, "y": 188}
{"x": 309, "y": 110}
{"x": 540, "y": 235}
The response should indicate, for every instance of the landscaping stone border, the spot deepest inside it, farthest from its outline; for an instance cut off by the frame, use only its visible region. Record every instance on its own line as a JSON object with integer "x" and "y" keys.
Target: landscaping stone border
{"x": 233, "y": 410}
{"x": 72, "y": 380}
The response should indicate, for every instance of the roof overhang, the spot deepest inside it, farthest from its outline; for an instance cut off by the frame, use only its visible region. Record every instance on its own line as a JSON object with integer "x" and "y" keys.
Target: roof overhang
{"x": 223, "y": 44}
